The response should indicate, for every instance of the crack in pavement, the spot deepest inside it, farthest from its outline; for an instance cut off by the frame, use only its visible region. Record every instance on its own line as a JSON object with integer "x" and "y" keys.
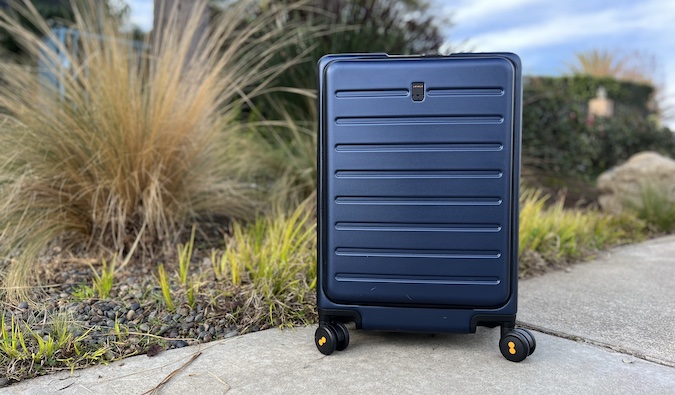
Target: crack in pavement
{"x": 577, "y": 338}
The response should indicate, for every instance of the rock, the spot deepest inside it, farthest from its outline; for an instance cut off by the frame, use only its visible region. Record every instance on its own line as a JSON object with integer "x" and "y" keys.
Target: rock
{"x": 130, "y": 315}
{"x": 624, "y": 184}
{"x": 144, "y": 328}
{"x": 23, "y": 305}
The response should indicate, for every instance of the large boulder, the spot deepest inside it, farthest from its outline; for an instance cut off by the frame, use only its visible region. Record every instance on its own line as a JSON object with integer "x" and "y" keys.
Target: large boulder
{"x": 625, "y": 184}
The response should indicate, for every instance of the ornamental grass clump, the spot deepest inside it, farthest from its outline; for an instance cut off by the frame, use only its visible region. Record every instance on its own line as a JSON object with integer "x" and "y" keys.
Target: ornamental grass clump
{"x": 551, "y": 235}
{"x": 135, "y": 141}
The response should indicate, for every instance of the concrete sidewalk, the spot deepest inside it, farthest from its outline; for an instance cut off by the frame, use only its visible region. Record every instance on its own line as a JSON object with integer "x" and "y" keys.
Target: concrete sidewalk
{"x": 605, "y": 327}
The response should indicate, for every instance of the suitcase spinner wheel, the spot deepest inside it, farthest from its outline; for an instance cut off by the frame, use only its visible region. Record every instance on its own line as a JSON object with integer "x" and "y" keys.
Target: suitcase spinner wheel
{"x": 330, "y": 337}
{"x": 517, "y": 344}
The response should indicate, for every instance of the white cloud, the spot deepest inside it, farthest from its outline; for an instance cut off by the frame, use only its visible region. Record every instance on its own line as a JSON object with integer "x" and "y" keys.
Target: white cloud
{"x": 468, "y": 12}
{"x": 141, "y": 13}
{"x": 567, "y": 27}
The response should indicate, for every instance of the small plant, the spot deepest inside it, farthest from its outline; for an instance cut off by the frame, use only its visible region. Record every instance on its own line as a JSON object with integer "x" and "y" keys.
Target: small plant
{"x": 274, "y": 261}
{"x": 656, "y": 207}
{"x": 226, "y": 262}
{"x": 190, "y": 284}
{"x": 166, "y": 287}
{"x": 191, "y": 291}
{"x": 184, "y": 258}
{"x": 12, "y": 341}
{"x": 103, "y": 283}
{"x": 83, "y": 292}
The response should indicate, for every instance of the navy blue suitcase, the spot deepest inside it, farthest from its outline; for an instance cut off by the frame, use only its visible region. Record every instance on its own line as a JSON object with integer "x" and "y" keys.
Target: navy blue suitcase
{"x": 418, "y": 168}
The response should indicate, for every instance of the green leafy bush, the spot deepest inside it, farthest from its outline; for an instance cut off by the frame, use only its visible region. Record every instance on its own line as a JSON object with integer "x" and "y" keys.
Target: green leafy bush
{"x": 558, "y": 137}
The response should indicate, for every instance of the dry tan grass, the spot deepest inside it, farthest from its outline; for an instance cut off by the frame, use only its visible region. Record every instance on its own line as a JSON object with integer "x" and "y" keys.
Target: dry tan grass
{"x": 140, "y": 142}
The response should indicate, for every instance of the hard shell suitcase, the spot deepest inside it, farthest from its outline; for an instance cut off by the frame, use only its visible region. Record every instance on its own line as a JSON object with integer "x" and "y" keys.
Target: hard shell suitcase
{"x": 418, "y": 174}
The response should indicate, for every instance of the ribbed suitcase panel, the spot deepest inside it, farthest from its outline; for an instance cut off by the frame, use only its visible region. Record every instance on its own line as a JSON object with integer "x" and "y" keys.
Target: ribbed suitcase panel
{"x": 418, "y": 193}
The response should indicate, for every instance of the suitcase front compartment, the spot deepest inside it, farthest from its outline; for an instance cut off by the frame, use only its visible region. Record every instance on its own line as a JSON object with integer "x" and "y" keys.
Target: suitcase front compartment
{"x": 418, "y": 193}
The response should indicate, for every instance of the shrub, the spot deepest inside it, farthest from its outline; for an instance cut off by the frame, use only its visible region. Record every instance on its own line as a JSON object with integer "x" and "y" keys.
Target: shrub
{"x": 137, "y": 143}
{"x": 272, "y": 264}
{"x": 656, "y": 207}
{"x": 550, "y": 234}
{"x": 558, "y": 138}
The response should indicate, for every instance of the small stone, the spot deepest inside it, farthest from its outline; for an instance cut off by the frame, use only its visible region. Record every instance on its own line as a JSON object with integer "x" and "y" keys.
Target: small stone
{"x": 173, "y": 334}
{"x": 166, "y": 318}
{"x": 177, "y": 317}
{"x": 230, "y": 334}
{"x": 199, "y": 317}
{"x": 189, "y": 318}
{"x": 144, "y": 328}
{"x": 130, "y": 314}
{"x": 23, "y": 305}
{"x": 4, "y": 382}
{"x": 180, "y": 344}
{"x": 183, "y": 311}
{"x": 110, "y": 323}
{"x": 109, "y": 356}
{"x": 135, "y": 306}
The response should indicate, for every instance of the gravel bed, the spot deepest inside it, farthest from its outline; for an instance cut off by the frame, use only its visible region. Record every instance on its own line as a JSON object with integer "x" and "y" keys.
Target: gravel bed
{"x": 133, "y": 319}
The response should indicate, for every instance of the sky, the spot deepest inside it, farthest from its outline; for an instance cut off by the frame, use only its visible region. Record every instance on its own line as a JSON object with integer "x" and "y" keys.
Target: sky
{"x": 547, "y": 34}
